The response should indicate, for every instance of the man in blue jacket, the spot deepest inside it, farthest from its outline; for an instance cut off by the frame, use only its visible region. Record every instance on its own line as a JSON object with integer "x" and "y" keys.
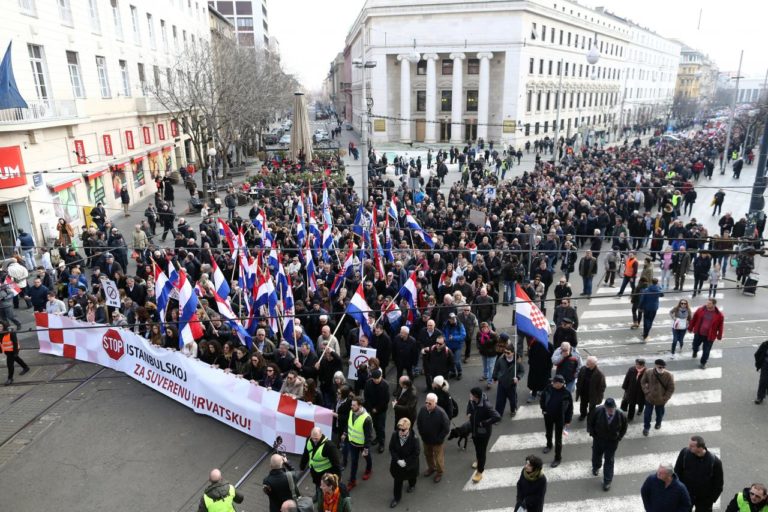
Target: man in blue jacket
{"x": 663, "y": 492}
{"x": 455, "y": 336}
{"x": 649, "y": 303}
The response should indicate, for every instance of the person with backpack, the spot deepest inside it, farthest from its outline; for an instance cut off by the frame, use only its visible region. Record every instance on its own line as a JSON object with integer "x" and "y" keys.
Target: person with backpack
{"x": 433, "y": 425}
{"x": 440, "y": 388}
{"x": 701, "y": 472}
{"x": 507, "y": 373}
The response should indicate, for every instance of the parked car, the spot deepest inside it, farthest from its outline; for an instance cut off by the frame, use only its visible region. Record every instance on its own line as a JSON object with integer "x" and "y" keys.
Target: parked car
{"x": 285, "y": 140}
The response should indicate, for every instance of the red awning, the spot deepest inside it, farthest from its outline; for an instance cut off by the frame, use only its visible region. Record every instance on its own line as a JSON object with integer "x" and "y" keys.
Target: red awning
{"x": 63, "y": 184}
{"x": 154, "y": 153}
{"x": 137, "y": 159}
{"x": 95, "y": 174}
{"x": 167, "y": 148}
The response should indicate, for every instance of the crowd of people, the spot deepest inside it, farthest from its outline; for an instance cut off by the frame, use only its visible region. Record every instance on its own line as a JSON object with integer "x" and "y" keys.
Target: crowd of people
{"x": 593, "y": 208}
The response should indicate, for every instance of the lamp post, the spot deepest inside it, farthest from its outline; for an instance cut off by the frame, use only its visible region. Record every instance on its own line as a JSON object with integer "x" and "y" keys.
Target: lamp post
{"x": 731, "y": 115}
{"x": 212, "y": 167}
{"x": 366, "y": 106}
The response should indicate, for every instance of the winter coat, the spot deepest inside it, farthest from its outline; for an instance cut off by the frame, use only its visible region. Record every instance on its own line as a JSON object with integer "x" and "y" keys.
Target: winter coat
{"x": 405, "y": 352}
{"x": 568, "y": 366}
{"x": 702, "y": 476}
{"x": 659, "y": 498}
{"x": 409, "y": 452}
{"x": 715, "y": 329}
{"x": 657, "y": 387}
{"x": 539, "y": 364}
{"x": 481, "y": 417}
{"x": 599, "y": 428}
{"x": 594, "y": 393}
{"x": 405, "y": 404}
{"x": 649, "y": 299}
{"x": 438, "y": 362}
{"x": 433, "y": 426}
{"x": 455, "y": 336}
{"x": 218, "y": 491}
{"x": 633, "y": 391}
{"x": 489, "y": 344}
{"x": 504, "y": 372}
{"x": 565, "y": 414}
{"x": 587, "y": 267}
{"x": 530, "y": 494}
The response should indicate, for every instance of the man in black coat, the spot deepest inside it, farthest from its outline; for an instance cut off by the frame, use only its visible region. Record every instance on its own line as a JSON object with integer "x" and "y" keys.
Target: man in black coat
{"x": 275, "y": 484}
{"x": 761, "y": 364}
{"x": 438, "y": 360}
{"x": 376, "y": 394}
{"x": 556, "y": 405}
{"x": 405, "y": 352}
{"x": 701, "y": 472}
{"x": 607, "y": 426}
{"x": 481, "y": 417}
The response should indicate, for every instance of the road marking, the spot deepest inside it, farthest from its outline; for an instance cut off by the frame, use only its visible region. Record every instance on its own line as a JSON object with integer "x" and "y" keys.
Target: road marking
{"x": 710, "y": 396}
{"x": 512, "y": 442}
{"x": 497, "y": 478}
{"x": 623, "y": 326}
{"x": 658, "y": 339}
{"x": 632, "y": 503}
{"x": 680, "y": 376}
{"x": 610, "y": 301}
{"x": 630, "y": 360}
{"x": 614, "y": 313}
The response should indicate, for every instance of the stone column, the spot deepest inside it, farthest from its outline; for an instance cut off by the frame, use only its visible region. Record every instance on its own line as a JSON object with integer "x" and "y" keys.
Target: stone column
{"x": 457, "y": 97}
{"x": 430, "y": 136}
{"x": 405, "y": 95}
{"x": 483, "y": 94}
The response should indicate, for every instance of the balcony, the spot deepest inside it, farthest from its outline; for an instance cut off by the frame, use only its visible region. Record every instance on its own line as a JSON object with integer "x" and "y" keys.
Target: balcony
{"x": 39, "y": 111}
{"x": 147, "y": 105}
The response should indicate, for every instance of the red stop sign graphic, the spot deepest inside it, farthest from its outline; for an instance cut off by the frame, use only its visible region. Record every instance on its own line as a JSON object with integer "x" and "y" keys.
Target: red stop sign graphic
{"x": 113, "y": 344}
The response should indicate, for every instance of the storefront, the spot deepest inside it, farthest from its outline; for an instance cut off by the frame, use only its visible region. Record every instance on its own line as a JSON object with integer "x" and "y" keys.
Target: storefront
{"x": 14, "y": 207}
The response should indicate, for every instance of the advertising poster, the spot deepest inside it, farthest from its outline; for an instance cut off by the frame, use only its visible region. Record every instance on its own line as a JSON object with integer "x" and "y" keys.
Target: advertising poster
{"x": 96, "y": 192}
{"x": 154, "y": 164}
{"x": 168, "y": 162}
{"x": 65, "y": 205}
{"x": 117, "y": 172}
{"x": 137, "y": 166}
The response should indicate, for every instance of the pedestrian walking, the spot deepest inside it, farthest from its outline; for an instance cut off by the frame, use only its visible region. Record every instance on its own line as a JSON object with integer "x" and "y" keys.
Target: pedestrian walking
{"x": 7, "y": 313}
{"x": 701, "y": 472}
{"x": 634, "y": 299}
{"x": 607, "y": 426}
{"x": 761, "y": 364}
{"x": 434, "y": 426}
{"x": 481, "y": 418}
{"x": 612, "y": 262}
{"x": 649, "y": 303}
{"x": 322, "y": 457}
{"x": 630, "y": 273}
{"x": 680, "y": 315}
{"x": 9, "y": 344}
{"x": 707, "y": 326}
{"x": 634, "y": 398}
{"x": 531, "y": 486}
{"x": 590, "y": 387}
{"x": 681, "y": 263}
{"x": 125, "y": 199}
{"x": 334, "y": 496}
{"x": 220, "y": 495}
{"x": 488, "y": 343}
{"x": 567, "y": 362}
{"x": 587, "y": 271}
{"x": 556, "y": 405}
{"x": 404, "y": 450}
{"x": 714, "y": 278}
{"x": 662, "y": 491}
{"x": 658, "y": 387}
{"x": 717, "y": 202}
{"x": 359, "y": 435}
{"x": 277, "y": 484}
{"x": 752, "y": 499}
{"x": 404, "y": 402}
{"x": 377, "y": 395}
{"x": 539, "y": 366}
{"x": 507, "y": 372}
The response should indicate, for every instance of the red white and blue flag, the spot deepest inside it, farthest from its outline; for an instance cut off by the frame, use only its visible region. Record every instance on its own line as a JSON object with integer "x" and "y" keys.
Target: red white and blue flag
{"x": 392, "y": 210}
{"x": 311, "y": 277}
{"x": 411, "y": 295}
{"x": 529, "y": 318}
{"x": 219, "y": 281}
{"x": 226, "y": 312}
{"x": 358, "y": 309}
{"x": 417, "y": 230}
{"x": 190, "y": 328}
{"x": 226, "y": 232}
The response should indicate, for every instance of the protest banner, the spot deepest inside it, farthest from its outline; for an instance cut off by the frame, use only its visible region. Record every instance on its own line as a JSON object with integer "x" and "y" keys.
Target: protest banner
{"x": 358, "y": 356}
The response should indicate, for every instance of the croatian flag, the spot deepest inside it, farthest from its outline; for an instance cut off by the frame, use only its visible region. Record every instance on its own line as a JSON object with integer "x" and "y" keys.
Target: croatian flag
{"x": 226, "y": 312}
{"x": 226, "y": 232}
{"x": 417, "y": 230}
{"x": 488, "y": 227}
{"x": 266, "y": 299}
{"x": 327, "y": 242}
{"x": 411, "y": 295}
{"x": 219, "y": 281}
{"x": 358, "y": 309}
{"x": 326, "y": 207}
{"x": 301, "y": 235}
{"x": 345, "y": 272}
{"x": 388, "y": 242}
{"x": 13, "y": 285}
{"x": 282, "y": 279}
{"x": 392, "y": 210}
{"x": 288, "y": 313}
{"x": 260, "y": 222}
{"x": 311, "y": 277}
{"x": 529, "y": 318}
{"x": 300, "y": 210}
{"x": 163, "y": 287}
{"x": 190, "y": 328}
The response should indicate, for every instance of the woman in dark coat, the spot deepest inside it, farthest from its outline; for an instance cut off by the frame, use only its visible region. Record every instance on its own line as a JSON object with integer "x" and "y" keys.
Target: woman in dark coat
{"x": 634, "y": 398}
{"x": 404, "y": 449}
{"x": 531, "y": 486}
{"x": 540, "y": 366}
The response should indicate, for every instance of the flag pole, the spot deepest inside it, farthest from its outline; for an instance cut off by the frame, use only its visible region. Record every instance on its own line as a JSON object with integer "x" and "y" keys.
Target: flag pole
{"x": 394, "y": 299}
{"x": 341, "y": 321}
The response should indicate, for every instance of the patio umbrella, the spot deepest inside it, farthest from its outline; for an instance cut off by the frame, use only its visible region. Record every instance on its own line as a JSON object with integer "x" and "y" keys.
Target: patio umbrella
{"x": 301, "y": 138}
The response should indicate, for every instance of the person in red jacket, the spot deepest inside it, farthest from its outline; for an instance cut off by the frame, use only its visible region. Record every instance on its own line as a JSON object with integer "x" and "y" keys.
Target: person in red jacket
{"x": 706, "y": 326}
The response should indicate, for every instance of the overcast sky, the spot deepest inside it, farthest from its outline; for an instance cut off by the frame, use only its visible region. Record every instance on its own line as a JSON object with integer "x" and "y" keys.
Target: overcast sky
{"x": 312, "y": 32}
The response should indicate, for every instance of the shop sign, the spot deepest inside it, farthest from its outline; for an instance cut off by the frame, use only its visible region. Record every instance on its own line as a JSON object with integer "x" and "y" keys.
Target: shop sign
{"x": 11, "y": 167}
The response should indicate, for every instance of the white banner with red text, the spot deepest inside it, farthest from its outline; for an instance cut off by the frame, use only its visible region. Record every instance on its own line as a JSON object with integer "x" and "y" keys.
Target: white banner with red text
{"x": 234, "y": 401}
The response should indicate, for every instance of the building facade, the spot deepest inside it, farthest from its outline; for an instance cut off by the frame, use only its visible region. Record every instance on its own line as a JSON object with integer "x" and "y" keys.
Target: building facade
{"x": 84, "y": 68}
{"x": 696, "y": 81}
{"x": 250, "y": 19}
{"x": 452, "y": 71}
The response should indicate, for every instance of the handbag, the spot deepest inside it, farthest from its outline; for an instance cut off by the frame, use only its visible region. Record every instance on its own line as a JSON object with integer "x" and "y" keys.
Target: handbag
{"x": 303, "y": 503}
{"x": 680, "y": 324}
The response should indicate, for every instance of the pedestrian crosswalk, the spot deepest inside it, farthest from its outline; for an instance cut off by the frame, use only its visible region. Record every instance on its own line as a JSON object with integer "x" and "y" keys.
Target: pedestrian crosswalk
{"x": 695, "y": 408}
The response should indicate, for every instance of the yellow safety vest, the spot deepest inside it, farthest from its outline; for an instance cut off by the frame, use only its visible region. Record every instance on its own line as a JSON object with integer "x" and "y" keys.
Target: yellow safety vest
{"x": 355, "y": 430}
{"x": 224, "y": 505}
{"x": 744, "y": 505}
{"x": 318, "y": 462}
{"x": 7, "y": 343}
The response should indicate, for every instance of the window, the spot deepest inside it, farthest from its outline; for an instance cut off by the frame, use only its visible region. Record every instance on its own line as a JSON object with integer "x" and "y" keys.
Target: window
{"x": 446, "y": 100}
{"x": 472, "y": 101}
{"x": 473, "y": 66}
{"x": 576, "y": 40}
{"x": 142, "y": 78}
{"x": 533, "y": 31}
{"x": 421, "y": 67}
{"x": 552, "y": 35}
{"x": 581, "y": 68}
{"x": 561, "y": 38}
{"x": 164, "y": 35}
{"x": 546, "y": 103}
{"x": 421, "y": 101}
{"x": 530, "y": 65}
{"x": 538, "y": 101}
{"x": 28, "y": 7}
{"x": 39, "y": 71}
{"x": 151, "y": 32}
{"x": 546, "y": 126}
{"x": 550, "y": 68}
{"x": 528, "y": 101}
{"x": 566, "y": 68}
{"x": 536, "y": 129}
{"x": 135, "y": 25}
{"x": 527, "y": 129}
{"x": 125, "y": 78}
{"x": 446, "y": 66}
{"x": 541, "y": 66}
{"x": 156, "y": 76}
{"x": 569, "y": 39}
{"x": 101, "y": 68}
{"x": 175, "y": 35}
{"x": 245, "y": 23}
{"x": 246, "y": 39}
{"x": 169, "y": 78}
{"x": 75, "y": 78}
{"x": 93, "y": 9}
{"x": 543, "y": 33}
{"x": 184, "y": 38}
{"x": 559, "y": 67}
{"x": 116, "y": 19}
{"x": 65, "y": 12}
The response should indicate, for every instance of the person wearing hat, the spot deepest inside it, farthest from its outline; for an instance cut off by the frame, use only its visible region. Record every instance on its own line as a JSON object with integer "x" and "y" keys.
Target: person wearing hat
{"x": 565, "y": 333}
{"x": 556, "y": 405}
{"x": 481, "y": 417}
{"x": 376, "y": 394}
{"x": 658, "y": 386}
{"x": 634, "y": 399}
{"x": 607, "y": 426}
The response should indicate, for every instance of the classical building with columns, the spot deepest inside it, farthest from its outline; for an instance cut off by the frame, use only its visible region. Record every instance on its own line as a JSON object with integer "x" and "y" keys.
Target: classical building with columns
{"x": 459, "y": 70}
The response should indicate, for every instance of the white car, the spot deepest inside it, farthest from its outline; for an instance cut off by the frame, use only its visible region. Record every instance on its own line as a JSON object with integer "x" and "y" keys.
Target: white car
{"x": 285, "y": 140}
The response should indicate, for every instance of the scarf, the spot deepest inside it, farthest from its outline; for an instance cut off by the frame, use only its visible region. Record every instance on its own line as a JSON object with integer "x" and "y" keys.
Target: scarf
{"x": 485, "y": 337}
{"x": 331, "y": 501}
{"x": 532, "y": 476}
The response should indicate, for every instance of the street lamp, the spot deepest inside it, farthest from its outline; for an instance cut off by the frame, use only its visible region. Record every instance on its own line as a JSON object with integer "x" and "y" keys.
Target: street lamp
{"x": 367, "y": 105}
{"x": 211, "y": 166}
